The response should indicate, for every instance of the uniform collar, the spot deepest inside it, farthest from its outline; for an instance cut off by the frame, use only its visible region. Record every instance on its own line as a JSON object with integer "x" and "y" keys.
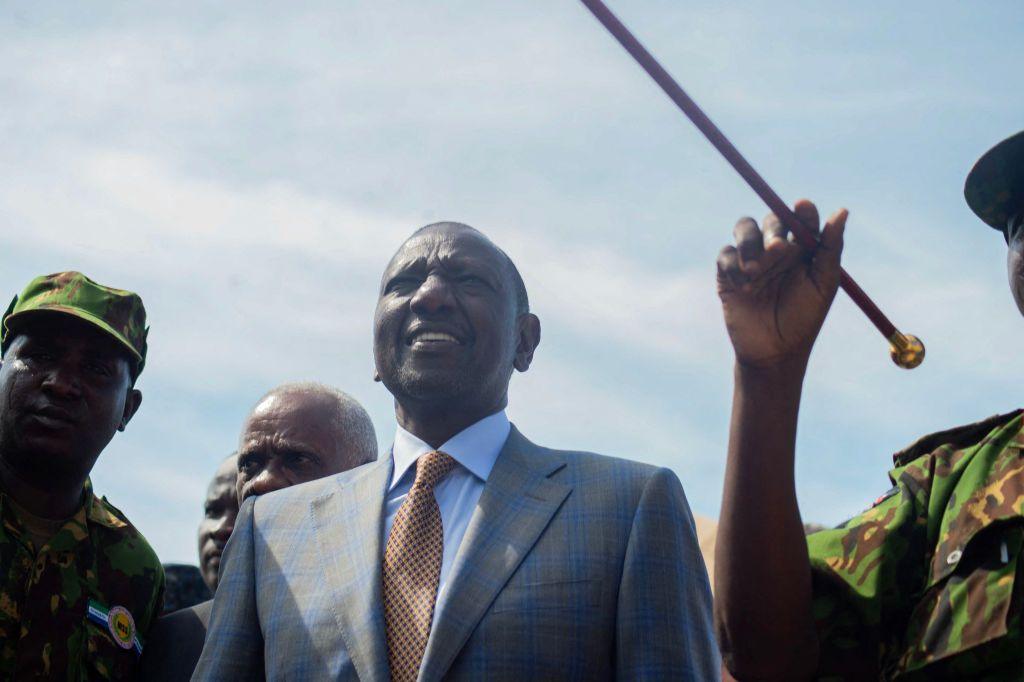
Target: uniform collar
{"x": 94, "y": 509}
{"x": 476, "y": 447}
{"x": 958, "y": 437}
{"x": 69, "y": 537}
{"x": 98, "y": 510}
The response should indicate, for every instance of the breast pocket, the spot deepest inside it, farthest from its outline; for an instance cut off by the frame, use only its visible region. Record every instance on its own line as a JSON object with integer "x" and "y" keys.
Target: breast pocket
{"x": 566, "y": 595}
{"x": 965, "y": 614}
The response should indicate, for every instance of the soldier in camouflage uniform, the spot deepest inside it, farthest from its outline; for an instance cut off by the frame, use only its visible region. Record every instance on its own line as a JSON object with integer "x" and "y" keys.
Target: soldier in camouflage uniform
{"x": 80, "y": 586}
{"x": 928, "y": 583}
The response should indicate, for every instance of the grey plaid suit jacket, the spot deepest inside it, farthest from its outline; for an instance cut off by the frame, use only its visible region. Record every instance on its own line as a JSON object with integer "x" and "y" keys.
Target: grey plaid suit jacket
{"x": 575, "y": 566}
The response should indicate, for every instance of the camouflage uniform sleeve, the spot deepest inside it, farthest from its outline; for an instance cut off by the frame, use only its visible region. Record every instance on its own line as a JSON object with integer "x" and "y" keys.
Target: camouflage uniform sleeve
{"x": 865, "y": 573}
{"x": 923, "y": 582}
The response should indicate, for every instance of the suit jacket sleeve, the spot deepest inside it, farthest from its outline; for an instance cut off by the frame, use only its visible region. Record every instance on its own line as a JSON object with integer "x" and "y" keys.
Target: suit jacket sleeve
{"x": 664, "y": 626}
{"x": 234, "y": 642}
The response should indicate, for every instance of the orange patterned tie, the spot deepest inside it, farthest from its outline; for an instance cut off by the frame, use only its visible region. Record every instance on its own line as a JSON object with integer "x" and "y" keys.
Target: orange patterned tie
{"x": 412, "y": 568}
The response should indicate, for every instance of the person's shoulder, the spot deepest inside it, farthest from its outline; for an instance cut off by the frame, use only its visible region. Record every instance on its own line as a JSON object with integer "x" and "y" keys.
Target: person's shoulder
{"x": 582, "y": 466}
{"x": 128, "y": 572}
{"x": 948, "y": 444}
{"x": 121, "y": 542}
{"x": 595, "y": 464}
{"x": 928, "y": 481}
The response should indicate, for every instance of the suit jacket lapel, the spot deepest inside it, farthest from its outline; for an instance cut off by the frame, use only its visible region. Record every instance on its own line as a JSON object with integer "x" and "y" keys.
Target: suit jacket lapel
{"x": 515, "y": 507}
{"x": 348, "y": 524}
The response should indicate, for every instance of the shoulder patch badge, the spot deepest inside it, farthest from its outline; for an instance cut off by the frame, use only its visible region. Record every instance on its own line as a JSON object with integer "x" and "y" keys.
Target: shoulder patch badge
{"x": 119, "y": 623}
{"x": 885, "y": 496}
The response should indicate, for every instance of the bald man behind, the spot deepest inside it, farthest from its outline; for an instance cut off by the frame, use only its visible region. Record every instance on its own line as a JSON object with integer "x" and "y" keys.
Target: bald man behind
{"x": 302, "y": 432}
{"x": 296, "y": 433}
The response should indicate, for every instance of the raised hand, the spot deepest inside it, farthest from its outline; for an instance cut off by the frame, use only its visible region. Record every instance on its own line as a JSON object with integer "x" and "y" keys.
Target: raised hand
{"x": 775, "y": 296}
{"x": 775, "y": 293}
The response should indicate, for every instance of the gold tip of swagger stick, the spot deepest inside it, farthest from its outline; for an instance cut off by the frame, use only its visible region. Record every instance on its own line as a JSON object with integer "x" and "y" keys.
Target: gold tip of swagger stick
{"x": 906, "y": 350}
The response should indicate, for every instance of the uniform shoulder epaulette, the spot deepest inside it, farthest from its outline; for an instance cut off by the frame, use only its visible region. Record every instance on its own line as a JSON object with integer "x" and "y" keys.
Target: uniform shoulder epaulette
{"x": 958, "y": 437}
{"x": 113, "y": 510}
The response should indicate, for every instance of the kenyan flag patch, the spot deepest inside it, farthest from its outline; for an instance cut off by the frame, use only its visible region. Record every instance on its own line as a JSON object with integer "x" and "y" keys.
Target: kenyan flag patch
{"x": 119, "y": 623}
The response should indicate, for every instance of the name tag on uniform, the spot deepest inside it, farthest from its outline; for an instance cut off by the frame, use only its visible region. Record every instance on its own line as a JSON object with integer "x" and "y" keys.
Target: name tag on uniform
{"x": 119, "y": 623}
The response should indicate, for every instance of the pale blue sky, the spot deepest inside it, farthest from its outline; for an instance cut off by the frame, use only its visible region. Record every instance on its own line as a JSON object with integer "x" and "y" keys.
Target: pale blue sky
{"x": 250, "y": 167}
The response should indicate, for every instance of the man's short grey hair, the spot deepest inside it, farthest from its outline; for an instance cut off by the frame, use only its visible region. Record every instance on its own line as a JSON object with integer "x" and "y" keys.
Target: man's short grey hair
{"x": 350, "y": 418}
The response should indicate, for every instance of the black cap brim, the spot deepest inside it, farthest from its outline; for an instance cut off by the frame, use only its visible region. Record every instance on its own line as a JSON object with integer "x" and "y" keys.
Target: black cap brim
{"x": 995, "y": 186}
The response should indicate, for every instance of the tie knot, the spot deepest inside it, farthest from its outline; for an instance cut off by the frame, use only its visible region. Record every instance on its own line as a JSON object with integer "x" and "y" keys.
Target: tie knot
{"x": 431, "y": 468}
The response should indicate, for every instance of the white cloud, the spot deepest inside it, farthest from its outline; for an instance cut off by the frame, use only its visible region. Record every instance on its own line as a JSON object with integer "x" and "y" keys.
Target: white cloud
{"x": 250, "y": 169}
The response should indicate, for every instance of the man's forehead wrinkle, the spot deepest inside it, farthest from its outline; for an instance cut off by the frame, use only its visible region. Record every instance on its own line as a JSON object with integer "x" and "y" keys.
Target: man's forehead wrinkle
{"x": 409, "y": 255}
{"x": 283, "y": 445}
{"x": 252, "y": 442}
{"x": 453, "y": 250}
{"x": 275, "y": 442}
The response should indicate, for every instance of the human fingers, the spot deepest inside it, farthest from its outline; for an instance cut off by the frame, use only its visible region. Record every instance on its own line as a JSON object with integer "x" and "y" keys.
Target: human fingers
{"x": 831, "y": 249}
{"x": 749, "y": 243}
{"x": 730, "y": 276}
{"x": 807, "y": 212}
{"x": 774, "y": 231}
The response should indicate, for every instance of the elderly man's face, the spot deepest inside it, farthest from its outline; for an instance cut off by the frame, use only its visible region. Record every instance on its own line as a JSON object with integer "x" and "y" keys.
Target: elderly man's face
{"x": 289, "y": 439}
{"x": 219, "y": 512}
{"x": 65, "y": 388}
{"x": 445, "y": 325}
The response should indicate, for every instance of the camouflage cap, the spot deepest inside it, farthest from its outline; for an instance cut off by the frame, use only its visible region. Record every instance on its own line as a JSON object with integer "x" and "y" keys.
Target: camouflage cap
{"x": 118, "y": 313}
{"x": 995, "y": 186}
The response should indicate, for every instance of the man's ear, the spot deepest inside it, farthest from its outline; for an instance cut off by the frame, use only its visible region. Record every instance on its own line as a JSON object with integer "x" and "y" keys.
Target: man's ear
{"x": 131, "y": 406}
{"x": 528, "y": 331}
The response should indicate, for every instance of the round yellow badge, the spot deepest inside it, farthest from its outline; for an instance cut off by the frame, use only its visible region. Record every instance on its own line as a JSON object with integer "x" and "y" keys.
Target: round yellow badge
{"x": 121, "y": 626}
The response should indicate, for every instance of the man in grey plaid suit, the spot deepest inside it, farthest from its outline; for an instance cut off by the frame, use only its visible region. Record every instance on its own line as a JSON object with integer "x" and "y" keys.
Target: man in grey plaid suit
{"x": 470, "y": 552}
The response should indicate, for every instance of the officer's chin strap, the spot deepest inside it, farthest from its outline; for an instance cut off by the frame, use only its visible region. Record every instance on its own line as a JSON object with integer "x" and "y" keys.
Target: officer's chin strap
{"x": 1013, "y": 225}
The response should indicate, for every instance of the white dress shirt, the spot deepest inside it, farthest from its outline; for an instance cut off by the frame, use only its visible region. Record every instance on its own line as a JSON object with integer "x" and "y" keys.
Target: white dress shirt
{"x": 475, "y": 449}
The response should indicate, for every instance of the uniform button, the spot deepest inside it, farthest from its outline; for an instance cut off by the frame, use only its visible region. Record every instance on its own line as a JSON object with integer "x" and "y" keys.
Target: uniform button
{"x": 954, "y": 557}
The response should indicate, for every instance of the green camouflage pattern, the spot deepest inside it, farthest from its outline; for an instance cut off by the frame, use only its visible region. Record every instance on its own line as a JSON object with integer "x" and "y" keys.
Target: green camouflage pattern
{"x": 929, "y": 582}
{"x": 117, "y": 312}
{"x": 995, "y": 186}
{"x": 97, "y": 555}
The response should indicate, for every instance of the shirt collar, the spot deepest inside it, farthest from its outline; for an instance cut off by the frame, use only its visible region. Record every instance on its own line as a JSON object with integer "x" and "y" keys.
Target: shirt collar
{"x": 476, "y": 447}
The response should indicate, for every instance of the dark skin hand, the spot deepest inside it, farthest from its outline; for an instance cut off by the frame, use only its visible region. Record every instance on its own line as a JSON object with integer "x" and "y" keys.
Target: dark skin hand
{"x": 219, "y": 513}
{"x": 775, "y": 296}
{"x": 65, "y": 389}
{"x": 447, "y": 332}
{"x": 290, "y": 438}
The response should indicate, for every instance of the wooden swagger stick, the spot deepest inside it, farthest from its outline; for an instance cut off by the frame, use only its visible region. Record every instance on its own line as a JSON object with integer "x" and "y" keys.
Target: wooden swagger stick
{"x": 906, "y": 350}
